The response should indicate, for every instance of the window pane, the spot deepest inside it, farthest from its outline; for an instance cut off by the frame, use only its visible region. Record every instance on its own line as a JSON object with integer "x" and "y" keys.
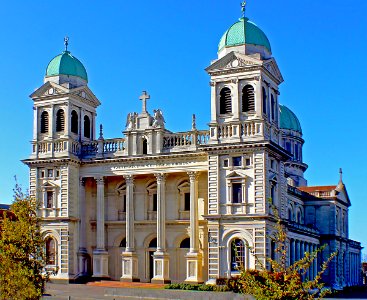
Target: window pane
{"x": 49, "y": 203}
{"x": 187, "y": 201}
{"x": 155, "y": 202}
{"x": 236, "y": 193}
{"x": 237, "y": 255}
{"x": 237, "y": 161}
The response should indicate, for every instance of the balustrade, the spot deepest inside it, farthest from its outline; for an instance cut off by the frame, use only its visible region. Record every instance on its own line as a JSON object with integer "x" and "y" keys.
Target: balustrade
{"x": 185, "y": 139}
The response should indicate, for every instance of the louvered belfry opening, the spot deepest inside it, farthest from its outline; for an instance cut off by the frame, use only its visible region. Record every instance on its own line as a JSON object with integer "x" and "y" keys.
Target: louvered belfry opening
{"x": 86, "y": 127}
{"x": 264, "y": 97}
{"x": 60, "y": 120}
{"x": 225, "y": 101}
{"x": 248, "y": 99}
{"x": 44, "y": 122}
{"x": 74, "y": 122}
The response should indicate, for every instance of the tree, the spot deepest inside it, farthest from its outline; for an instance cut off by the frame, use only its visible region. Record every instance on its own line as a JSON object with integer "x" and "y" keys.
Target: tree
{"x": 282, "y": 282}
{"x": 21, "y": 251}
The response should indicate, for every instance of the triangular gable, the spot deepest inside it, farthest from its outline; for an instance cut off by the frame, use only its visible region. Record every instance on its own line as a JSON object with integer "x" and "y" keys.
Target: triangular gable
{"x": 234, "y": 174}
{"x": 49, "y": 184}
{"x": 43, "y": 91}
{"x": 233, "y": 60}
{"x": 272, "y": 67}
{"x": 84, "y": 92}
{"x": 342, "y": 194}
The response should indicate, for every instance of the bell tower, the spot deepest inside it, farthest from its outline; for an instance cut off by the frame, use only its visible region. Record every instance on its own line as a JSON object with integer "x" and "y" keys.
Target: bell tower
{"x": 244, "y": 87}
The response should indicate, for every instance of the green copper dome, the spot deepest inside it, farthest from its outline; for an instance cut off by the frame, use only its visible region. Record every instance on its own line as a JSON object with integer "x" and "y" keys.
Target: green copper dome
{"x": 66, "y": 64}
{"x": 244, "y": 32}
{"x": 288, "y": 120}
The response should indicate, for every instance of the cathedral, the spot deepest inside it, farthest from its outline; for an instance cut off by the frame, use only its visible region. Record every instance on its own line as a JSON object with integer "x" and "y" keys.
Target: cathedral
{"x": 159, "y": 206}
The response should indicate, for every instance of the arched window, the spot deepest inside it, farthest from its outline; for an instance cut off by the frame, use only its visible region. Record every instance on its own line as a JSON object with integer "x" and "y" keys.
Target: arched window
{"x": 123, "y": 243}
{"x": 237, "y": 255}
{"x": 185, "y": 243}
{"x": 60, "y": 120}
{"x": 290, "y": 217}
{"x": 86, "y": 127}
{"x": 264, "y": 98}
{"x": 273, "y": 110}
{"x": 248, "y": 99}
{"x": 74, "y": 122}
{"x": 153, "y": 243}
{"x": 145, "y": 146}
{"x": 44, "y": 122}
{"x": 50, "y": 251}
{"x": 225, "y": 101}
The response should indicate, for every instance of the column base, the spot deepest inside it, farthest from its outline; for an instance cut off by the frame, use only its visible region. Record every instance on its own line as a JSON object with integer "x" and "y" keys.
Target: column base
{"x": 83, "y": 262}
{"x": 100, "y": 264}
{"x": 129, "y": 267}
{"x": 194, "y": 269}
{"x": 161, "y": 268}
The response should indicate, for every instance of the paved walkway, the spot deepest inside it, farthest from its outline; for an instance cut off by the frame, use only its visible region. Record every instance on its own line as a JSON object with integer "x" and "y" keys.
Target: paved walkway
{"x": 129, "y": 291}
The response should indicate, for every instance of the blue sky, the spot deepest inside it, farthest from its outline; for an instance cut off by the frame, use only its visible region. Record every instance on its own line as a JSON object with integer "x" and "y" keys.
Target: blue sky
{"x": 164, "y": 46}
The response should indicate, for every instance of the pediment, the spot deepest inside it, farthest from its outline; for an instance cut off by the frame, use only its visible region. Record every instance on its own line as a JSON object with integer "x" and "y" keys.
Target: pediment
{"x": 49, "y": 184}
{"x": 234, "y": 175}
{"x": 234, "y": 60}
{"x": 49, "y": 89}
{"x": 86, "y": 94}
{"x": 272, "y": 67}
{"x": 342, "y": 194}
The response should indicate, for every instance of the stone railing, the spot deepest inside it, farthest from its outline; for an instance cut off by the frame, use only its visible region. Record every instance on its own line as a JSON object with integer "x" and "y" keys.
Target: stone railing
{"x": 301, "y": 227}
{"x": 55, "y": 148}
{"x": 185, "y": 140}
{"x": 103, "y": 147}
{"x": 243, "y": 130}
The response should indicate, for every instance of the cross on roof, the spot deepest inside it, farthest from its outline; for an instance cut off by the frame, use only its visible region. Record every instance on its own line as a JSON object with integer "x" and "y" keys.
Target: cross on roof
{"x": 144, "y": 97}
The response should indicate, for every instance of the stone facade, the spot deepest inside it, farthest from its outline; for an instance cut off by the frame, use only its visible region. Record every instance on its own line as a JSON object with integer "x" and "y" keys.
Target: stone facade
{"x": 158, "y": 206}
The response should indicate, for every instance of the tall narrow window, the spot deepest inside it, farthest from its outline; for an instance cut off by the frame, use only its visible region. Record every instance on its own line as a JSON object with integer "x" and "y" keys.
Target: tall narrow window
{"x": 44, "y": 122}
{"x": 187, "y": 202}
{"x": 248, "y": 99}
{"x": 237, "y": 255}
{"x": 74, "y": 122}
{"x": 145, "y": 146}
{"x": 225, "y": 101}
{"x": 60, "y": 120}
{"x": 236, "y": 193}
{"x": 273, "y": 110}
{"x": 86, "y": 127}
{"x": 50, "y": 251}
{"x": 155, "y": 202}
{"x": 49, "y": 199}
{"x": 264, "y": 98}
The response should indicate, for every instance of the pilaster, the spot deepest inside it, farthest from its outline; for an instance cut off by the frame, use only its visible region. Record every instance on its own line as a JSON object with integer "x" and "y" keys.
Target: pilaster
{"x": 82, "y": 251}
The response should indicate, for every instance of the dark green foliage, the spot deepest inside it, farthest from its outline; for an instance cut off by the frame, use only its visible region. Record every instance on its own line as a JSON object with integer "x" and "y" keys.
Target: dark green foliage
{"x": 21, "y": 251}
{"x": 197, "y": 287}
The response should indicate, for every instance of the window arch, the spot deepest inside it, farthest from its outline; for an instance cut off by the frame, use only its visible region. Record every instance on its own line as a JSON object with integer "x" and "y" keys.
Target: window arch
{"x": 60, "y": 120}
{"x": 74, "y": 122}
{"x": 50, "y": 251}
{"x": 238, "y": 257}
{"x": 264, "y": 99}
{"x": 145, "y": 146}
{"x": 185, "y": 243}
{"x": 248, "y": 99}
{"x": 290, "y": 214}
{"x": 123, "y": 243}
{"x": 153, "y": 243}
{"x": 299, "y": 216}
{"x": 86, "y": 127}
{"x": 44, "y": 122}
{"x": 225, "y": 101}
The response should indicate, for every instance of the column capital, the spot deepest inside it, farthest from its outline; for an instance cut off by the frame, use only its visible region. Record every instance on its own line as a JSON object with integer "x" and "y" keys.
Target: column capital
{"x": 99, "y": 180}
{"x": 161, "y": 177}
{"x": 193, "y": 175}
{"x": 129, "y": 179}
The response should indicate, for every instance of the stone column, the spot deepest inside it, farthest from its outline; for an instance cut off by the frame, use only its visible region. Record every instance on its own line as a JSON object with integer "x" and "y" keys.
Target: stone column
{"x": 129, "y": 257}
{"x": 82, "y": 252}
{"x": 194, "y": 257}
{"x": 100, "y": 255}
{"x": 161, "y": 258}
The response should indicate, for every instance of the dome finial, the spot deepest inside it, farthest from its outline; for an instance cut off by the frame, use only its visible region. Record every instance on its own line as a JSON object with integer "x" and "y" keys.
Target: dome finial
{"x": 341, "y": 175}
{"x": 66, "y": 42}
{"x": 243, "y": 8}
